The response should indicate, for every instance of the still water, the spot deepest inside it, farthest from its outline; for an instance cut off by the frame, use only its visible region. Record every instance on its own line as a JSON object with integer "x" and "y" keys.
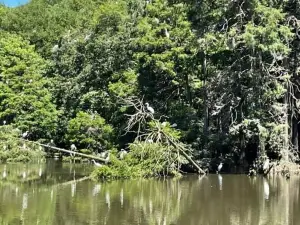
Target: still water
{"x": 48, "y": 194}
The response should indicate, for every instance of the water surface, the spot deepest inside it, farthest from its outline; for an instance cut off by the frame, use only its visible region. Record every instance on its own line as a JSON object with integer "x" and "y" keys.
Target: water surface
{"x": 49, "y": 194}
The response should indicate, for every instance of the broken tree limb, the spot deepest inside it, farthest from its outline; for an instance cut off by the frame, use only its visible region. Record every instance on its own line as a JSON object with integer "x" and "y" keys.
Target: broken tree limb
{"x": 68, "y": 151}
{"x": 266, "y": 172}
{"x": 200, "y": 171}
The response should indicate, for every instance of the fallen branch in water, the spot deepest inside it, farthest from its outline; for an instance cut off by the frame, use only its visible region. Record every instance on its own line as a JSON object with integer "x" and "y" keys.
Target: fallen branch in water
{"x": 268, "y": 170}
{"x": 68, "y": 151}
{"x": 182, "y": 151}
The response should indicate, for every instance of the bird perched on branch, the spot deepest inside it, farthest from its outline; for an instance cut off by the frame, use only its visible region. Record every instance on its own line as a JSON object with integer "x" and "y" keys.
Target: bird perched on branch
{"x": 149, "y": 108}
{"x": 123, "y": 153}
{"x": 73, "y": 147}
{"x": 25, "y": 134}
{"x": 96, "y": 164}
{"x": 166, "y": 32}
{"x": 164, "y": 124}
{"x": 266, "y": 164}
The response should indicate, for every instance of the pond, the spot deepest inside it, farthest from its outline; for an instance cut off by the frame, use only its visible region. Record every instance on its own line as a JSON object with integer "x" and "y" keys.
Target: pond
{"x": 47, "y": 194}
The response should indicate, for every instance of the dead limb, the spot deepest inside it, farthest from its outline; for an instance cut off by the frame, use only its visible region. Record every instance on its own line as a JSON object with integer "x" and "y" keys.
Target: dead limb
{"x": 139, "y": 118}
{"x": 200, "y": 171}
{"x": 266, "y": 172}
{"x": 68, "y": 151}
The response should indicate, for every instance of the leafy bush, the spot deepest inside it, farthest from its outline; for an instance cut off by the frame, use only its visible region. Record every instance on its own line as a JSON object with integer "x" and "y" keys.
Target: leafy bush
{"x": 90, "y": 131}
{"x": 14, "y": 149}
{"x": 144, "y": 160}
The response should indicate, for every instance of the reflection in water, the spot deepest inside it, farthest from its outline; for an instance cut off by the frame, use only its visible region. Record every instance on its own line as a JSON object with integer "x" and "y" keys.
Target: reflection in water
{"x": 51, "y": 195}
{"x": 266, "y": 188}
{"x": 122, "y": 197}
{"x": 40, "y": 172}
{"x": 96, "y": 189}
{"x": 73, "y": 189}
{"x": 107, "y": 199}
{"x": 191, "y": 200}
{"x": 4, "y": 174}
{"x": 25, "y": 201}
{"x": 220, "y": 179}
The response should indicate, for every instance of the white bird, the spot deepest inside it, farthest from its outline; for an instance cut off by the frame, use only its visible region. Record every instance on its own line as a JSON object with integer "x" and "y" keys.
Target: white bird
{"x": 40, "y": 171}
{"x": 51, "y": 143}
{"x": 164, "y": 124}
{"x": 149, "y": 108}
{"x": 156, "y": 20}
{"x": 87, "y": 37}
{"x": 4, "y": 122}
{"x": 174, "y": 125}
{"x": 55, "y": 48}
{"x": 266, "y": 164}
{"x": 97, "y": 164}
{"x": 103, "y": 154}
{"x": 167, "y": 34}
{"x": 123, "y": 153}
{"x": 25, "y": 134}
{"x": 107, "y": 158}
{"x": 73, "y": 147}
{"x": 220, "y": 167}
{"x": 149, "y": 140}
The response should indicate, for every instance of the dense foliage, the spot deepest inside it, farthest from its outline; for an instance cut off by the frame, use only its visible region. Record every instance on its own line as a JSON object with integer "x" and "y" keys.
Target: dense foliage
{"x": 225, "y": 72}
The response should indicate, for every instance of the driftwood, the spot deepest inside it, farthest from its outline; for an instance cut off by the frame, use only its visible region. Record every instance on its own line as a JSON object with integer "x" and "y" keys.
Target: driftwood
{"x": 68, "y": 151}
{"x": 72, "y": 181}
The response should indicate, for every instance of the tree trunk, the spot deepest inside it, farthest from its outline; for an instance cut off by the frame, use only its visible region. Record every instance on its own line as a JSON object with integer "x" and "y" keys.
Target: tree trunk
{"x": 206, "y": 116}
{"x": 285, "y": 135}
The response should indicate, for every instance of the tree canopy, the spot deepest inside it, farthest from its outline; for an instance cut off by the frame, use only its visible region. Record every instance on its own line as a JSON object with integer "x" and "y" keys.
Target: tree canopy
{"x": 223, "y": 73}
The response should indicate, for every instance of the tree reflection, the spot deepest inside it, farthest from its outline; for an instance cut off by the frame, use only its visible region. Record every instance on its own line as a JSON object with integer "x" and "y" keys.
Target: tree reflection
{"x": 214, "y": 199}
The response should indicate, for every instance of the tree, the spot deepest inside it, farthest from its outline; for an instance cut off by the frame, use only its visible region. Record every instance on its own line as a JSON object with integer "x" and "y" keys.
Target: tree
{"x": 90, "y": 131}
{"x": 24, "y": 98}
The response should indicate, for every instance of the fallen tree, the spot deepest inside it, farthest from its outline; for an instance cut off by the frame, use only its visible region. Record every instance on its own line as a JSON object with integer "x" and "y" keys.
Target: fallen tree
{"x": 156, "y": 151}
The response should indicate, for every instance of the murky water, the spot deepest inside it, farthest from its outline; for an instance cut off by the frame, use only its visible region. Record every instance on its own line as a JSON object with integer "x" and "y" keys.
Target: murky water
{"x": 47, "y": 194}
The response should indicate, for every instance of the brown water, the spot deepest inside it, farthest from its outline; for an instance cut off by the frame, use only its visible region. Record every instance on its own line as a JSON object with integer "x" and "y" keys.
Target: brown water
{"x": 43, "y": 194}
